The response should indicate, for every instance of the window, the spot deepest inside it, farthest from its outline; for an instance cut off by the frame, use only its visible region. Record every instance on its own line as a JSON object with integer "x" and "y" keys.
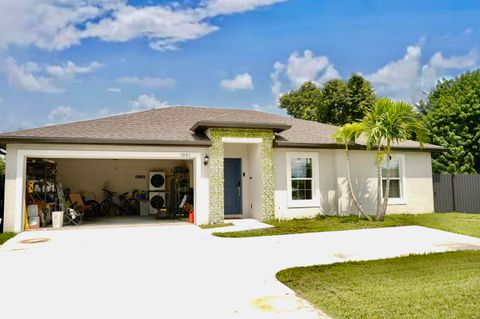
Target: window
{"x": 396, "y": 193}
{"x": 302, "y": 184}
{"x": 301, "y": 178}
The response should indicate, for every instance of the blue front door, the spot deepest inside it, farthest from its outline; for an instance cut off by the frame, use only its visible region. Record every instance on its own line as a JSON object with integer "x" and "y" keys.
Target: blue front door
{"x": 232, "y": 185}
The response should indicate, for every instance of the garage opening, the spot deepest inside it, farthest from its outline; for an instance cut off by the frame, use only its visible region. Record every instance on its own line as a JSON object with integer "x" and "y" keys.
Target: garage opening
{"x": 100, "y": 192}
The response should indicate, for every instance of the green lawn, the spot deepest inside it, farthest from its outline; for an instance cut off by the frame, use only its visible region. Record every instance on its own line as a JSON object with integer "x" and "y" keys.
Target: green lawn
{"x": 467, "y": 224}
{"x": 6, "y": 236}
{"x": 445, "y": 285}
{"x": 208, "y": 226}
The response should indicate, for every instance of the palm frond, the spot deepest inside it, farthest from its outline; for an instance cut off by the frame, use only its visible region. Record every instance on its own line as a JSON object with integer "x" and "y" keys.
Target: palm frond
{"x": 392, "y": 122}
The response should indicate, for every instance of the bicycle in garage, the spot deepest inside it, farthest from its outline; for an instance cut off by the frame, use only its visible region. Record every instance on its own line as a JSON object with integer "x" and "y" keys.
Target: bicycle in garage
{"x": 124, "y": 205}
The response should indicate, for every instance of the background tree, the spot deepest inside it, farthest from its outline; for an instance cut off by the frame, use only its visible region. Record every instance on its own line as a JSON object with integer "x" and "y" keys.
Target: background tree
{"x": 304, "y": 102}
{"x": 361, "y": 98}
{"x": 452, "y": 115}
{"x": 337, "y": 102}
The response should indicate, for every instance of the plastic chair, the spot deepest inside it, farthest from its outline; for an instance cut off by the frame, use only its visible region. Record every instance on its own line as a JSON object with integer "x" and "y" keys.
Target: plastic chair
{"x": 78, "y": 204}
{"x": 73, "y": 216}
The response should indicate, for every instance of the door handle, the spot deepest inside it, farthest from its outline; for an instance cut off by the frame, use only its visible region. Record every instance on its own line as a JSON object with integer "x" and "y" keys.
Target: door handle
{"x": 239, "y": 188}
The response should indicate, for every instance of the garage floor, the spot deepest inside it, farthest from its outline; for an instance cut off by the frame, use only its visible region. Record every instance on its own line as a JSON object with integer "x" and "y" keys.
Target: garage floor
{"x": 182, "y": 271}
{"x": 121, "y": 221}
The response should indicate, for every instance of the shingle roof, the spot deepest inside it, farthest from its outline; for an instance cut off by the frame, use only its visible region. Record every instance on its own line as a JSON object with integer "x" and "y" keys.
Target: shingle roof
{"x": 182, "y": 126}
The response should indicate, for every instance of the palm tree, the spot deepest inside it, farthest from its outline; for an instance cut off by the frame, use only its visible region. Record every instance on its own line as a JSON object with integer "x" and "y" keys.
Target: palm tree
{"x": 346, "y": 135}
{"x": 390, "y": 122}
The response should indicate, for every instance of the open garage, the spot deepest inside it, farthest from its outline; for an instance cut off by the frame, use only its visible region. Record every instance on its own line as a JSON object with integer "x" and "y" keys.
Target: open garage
{"x": 106, "y": 186}
{"x": 107, "y": 191}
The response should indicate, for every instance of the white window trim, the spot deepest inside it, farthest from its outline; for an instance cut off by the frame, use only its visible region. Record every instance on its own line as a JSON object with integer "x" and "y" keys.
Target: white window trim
{"x": 315, "y": 201}
{"x": 403, "y": 182}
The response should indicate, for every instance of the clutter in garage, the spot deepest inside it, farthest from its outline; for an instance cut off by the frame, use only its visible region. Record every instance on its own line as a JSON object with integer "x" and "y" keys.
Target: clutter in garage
{"x": 82, "y": 191}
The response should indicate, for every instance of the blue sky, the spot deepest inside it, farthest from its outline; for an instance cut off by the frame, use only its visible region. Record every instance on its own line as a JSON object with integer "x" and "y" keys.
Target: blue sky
{"x": 66, "y": 60}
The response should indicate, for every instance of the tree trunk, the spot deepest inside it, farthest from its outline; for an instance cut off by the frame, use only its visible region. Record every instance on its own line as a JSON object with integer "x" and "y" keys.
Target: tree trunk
{"x": 387, "y": 189}
{"x": 350, "y": 187}
{"x": 379, "y": 186}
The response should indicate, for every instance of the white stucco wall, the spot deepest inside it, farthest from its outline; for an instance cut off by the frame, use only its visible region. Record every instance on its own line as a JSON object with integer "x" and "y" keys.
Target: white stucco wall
{"x": 16, "y": 162}
{"x": 419, "y": 185}
{"x": 332, "y": 183}
{"x": 364, "y": 181}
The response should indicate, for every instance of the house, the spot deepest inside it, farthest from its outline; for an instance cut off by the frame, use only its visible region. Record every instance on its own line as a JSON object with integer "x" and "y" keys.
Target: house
{"x": 242, "y": 163}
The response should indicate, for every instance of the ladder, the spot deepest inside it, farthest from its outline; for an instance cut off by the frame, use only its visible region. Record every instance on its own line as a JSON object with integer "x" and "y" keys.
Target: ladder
{"x": 60, "y": 195}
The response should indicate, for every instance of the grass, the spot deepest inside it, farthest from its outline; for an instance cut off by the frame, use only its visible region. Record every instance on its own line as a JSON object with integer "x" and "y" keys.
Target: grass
{"x": 6, "y": 236}
{"x": 445, "y": 285}
{"x": 467, "y": 224}
{"x": 208, "y": 226}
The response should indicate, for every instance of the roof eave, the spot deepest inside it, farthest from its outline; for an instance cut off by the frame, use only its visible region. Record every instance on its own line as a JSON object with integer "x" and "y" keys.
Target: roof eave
{"x": 204, "y": 125}
{"x": 59, "y": 140}
{"x": 286, "y": 144}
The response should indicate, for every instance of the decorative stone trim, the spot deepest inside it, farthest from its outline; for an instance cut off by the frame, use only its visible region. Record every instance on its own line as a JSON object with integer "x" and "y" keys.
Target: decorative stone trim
{"x": 216, "y": 191}
{"x": 268, "y": 211}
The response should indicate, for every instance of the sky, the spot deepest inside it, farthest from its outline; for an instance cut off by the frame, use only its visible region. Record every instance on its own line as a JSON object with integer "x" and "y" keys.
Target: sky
{"x": 69, "y": 60}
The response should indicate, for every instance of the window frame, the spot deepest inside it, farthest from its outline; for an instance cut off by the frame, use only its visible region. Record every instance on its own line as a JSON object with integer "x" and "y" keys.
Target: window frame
{"x": 315, "y": 201}
{"x": 402, "y": 200}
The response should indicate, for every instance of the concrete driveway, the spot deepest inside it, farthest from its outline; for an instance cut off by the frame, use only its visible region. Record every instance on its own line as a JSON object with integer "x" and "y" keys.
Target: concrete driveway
{"x": 181, "y": 271}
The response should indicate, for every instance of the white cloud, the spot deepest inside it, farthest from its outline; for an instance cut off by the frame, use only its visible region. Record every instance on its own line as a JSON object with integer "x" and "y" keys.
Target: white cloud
{"x": 276, "y": 85}
{"x": 25, "y": 77}
{"x": 32, "y": 77}
{"x": 59, "y": 24}
{"x": 408, "y": 79}
{"x": 63, "y": 114}
{"x": 145, "y": 102}
{"x": 399, "y": 78}
{"x": 239, "y": 82}
{"x": 114, "y": 90}
{"x": 163, "y": 25}
{"x": 69, "y": 69}
{"x": 148, "y": 81}
{"x": 47, "y": 24}
{"x": 269, "y": 108}
{"x": 454, "y": 62}
{"x": 308, "y": 67}
{"x": 222, "y": 7}
{"x": 439, "y": 66}
{"x": 104, "y": 112}
{"x": 330, "y": 73}
{"x": 300, "y": 69}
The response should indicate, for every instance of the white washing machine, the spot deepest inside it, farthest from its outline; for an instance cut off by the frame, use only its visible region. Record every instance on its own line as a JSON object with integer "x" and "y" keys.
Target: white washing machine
{"x": 157, "y": 181}
{"x": 157, "y": 201}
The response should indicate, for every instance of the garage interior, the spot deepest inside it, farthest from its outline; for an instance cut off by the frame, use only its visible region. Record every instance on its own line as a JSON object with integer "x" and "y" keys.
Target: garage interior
{"x": 107, "y": 191}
